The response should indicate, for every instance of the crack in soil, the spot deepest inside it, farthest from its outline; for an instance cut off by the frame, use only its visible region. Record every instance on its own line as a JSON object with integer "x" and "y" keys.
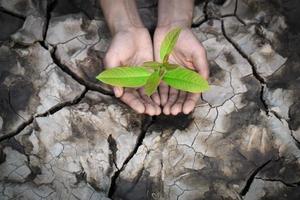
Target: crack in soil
{"x": 51, "y": 111}
{"x": 261, "y": 96}
{"x": 279, "y": 180}
{"x": 252, "y": 177}
{"x": 50, "y": 7}
{"x": 235, "y": 13}
{"x": 147, "y": 123}
{"x": 145, "y": 126}
{"x": 54, "y": 109}
{"x": 256, "y": 75}
{"x": 243, "y": 54}
{"x": 112, "y": 144}
{"x": 251, "y": 63}
{"x": 3, "y": 10}
{"x": 195, "y": 25}
{"x": 296, "y": 140}
{"x": 89, "y": 85}
{"x": 207, "y": 17}
{"x": 237, "y": 47}
{"x": 11, "y": 106}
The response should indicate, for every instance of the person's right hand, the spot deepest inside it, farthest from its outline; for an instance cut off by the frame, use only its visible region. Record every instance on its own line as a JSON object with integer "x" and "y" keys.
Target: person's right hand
{"x": 132, "y": 47}
{"x": 188, "y": 52}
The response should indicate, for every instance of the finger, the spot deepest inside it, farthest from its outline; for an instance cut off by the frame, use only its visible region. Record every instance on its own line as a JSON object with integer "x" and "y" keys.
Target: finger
{"x": 118, "y": 91}
{"x": 177, "y": 107}
{"x": 201, "y": 63}
{"x": 110, "y": 60}
{"x": 190, "y": 102}
{"x": 173, "y": 93}
{"x": 132, "y": 99}
{"x": 155, "y": 98}
{"x": 150, "y": 107}
{"x": 163, "y": 93}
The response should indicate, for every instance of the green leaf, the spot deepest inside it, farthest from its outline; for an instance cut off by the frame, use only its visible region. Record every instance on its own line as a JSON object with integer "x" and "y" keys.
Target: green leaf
{"x": 156, "y": 65}
{"x": 129, "y": 76}
{"x": 185, "y": 79}
{"x": 152, "y": 83}
{"x": 168, "y": 44}
{"x": 169, "y": 66}
{"x": 162, "y": 72}
{"x": 152, "y": 64}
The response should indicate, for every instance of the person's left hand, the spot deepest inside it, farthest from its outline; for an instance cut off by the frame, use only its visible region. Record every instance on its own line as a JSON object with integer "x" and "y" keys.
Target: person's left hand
{"x": 188, "y": 52}
{"x": 132, "y": 47}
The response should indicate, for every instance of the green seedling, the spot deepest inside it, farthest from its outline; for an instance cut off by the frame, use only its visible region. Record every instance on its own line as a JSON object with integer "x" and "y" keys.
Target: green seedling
{"x": 151, "y": 73}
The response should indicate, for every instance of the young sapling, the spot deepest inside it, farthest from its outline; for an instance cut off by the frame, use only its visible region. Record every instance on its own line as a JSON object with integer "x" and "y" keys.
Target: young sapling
{"x": 151, "y": 73}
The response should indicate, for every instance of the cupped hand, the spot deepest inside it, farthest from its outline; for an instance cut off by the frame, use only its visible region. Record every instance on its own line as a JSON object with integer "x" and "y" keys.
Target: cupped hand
{"x": 132, "y": 47}
{"x": 188, "y": 52}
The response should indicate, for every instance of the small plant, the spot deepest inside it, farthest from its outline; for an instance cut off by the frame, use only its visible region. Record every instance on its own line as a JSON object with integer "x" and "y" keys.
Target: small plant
{"x": 151, "y": 73}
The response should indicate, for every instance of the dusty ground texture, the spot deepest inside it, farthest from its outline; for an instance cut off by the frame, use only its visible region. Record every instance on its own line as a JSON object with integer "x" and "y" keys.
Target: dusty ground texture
{"x": 64, "y": 136}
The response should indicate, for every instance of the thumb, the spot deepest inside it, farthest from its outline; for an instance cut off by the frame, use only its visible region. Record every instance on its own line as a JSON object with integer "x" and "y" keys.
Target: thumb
{"x": 118, "y": 91}
{"x": 110, "y": 62}
{"x": 201, "y": 63}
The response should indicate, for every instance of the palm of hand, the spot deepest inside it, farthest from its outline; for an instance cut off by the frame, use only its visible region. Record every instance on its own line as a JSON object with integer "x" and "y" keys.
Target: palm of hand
{"x": 190, "y": 53}
{"x": 132, "y": 48}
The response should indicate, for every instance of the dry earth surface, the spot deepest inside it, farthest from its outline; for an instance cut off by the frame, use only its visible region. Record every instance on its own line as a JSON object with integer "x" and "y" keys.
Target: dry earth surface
{"x": 64, "y": 136}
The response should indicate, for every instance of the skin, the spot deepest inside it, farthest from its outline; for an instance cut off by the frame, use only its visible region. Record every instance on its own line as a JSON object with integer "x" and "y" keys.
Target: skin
{"x": 188, "y": 52}
{"x": 131, "y": 45}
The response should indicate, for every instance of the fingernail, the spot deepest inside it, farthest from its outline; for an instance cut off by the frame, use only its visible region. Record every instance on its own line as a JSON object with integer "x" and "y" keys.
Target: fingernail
{"x": 118, "y": 92}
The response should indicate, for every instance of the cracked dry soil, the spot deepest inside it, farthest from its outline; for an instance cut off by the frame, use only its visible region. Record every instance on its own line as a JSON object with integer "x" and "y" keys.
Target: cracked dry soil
{"x": 64, "y": 136}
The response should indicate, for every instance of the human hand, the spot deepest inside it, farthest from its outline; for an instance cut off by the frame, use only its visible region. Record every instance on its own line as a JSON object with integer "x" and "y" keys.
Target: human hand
{"x": 188, "y": 52}
{"x": 132, "y": 46}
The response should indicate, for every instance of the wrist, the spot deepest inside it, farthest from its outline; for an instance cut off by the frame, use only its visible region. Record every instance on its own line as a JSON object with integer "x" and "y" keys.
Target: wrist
{"x": 121, "y": 15}
{"x": 133, "y": 30}
{"x": 125, "y": 27}
{"x": 180, "y": 23}
{"x": 162, "y": 30}
{"x": 175, "y": 13}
